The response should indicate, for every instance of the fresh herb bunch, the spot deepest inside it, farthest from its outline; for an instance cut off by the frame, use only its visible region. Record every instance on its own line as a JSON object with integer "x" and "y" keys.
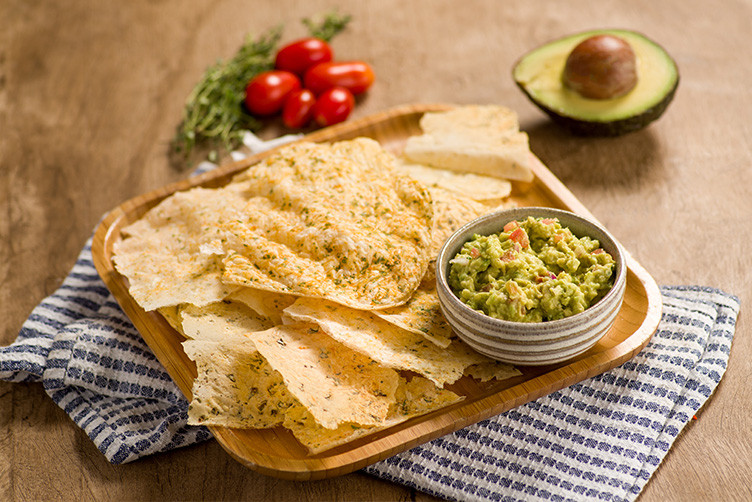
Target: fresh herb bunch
{"x": 214, "y": 114}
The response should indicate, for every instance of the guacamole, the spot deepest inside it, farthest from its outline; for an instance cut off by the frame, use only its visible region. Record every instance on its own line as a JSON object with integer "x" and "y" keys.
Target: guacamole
{"x": 533, "y": 271}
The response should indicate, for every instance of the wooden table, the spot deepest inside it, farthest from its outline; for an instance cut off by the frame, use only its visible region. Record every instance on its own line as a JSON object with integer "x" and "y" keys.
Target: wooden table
{"x": 91, "y": 93}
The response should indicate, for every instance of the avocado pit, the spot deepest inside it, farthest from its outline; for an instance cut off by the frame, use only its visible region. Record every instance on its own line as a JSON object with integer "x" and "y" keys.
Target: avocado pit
{"x": 601, "y": 67}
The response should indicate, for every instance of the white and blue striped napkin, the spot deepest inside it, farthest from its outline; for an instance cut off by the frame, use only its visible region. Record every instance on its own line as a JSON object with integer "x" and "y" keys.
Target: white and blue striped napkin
{"x": 93, "y": 363}
{"x": 600, "y": 439}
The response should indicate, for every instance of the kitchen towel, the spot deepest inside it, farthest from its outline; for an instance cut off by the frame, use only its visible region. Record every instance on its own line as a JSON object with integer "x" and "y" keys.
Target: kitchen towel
{"x": 600, "y": 439}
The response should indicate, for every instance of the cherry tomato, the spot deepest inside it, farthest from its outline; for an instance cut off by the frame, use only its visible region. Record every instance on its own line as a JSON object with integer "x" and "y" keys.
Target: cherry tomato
{"x": 355, "y": 76}
{"x": 333, "y": 106}
{"x": 300, "y": 55}
{"x": 298, "y": 109}
{"x": 266, "y": 92}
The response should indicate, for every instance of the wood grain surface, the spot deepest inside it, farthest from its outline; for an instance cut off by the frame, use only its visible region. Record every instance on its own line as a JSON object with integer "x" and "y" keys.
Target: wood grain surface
{"x": 91, "y": 93}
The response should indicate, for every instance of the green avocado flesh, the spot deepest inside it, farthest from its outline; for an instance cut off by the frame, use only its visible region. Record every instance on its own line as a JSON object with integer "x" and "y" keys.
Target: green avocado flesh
{"x": 539, "y": 75}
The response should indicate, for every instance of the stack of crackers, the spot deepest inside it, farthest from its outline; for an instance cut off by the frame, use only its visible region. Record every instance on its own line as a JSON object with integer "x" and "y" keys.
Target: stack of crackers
{"x": 305, "y": 287}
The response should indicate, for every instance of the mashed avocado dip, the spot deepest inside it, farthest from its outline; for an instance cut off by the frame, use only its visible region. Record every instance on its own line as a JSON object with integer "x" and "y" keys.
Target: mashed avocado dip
{"x": 534, "y": 270}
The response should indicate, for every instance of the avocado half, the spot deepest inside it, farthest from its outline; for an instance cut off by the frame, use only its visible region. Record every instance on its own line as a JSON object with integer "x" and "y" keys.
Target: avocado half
{"x": 539, "y": 74}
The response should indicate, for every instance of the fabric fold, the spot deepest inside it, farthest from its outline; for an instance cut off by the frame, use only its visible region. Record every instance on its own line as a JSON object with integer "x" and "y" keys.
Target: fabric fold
{"x": 94, "y": 364}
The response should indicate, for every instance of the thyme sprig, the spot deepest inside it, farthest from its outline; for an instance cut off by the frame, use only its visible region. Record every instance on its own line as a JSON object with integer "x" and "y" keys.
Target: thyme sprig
{"x": 213, "y": 114}
{"x": 213, "y": 110}
{"x": 327, "y": 27}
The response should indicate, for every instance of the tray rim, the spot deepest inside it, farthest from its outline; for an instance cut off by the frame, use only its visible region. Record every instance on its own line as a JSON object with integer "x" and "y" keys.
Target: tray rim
{"x": 323, "y": 465}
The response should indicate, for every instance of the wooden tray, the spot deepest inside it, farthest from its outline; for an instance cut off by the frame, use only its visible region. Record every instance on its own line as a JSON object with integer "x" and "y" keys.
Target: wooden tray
{"x": 274, "y": 451}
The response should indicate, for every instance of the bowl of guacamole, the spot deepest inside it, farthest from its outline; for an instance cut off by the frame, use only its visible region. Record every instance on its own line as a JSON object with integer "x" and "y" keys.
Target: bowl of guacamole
{"x": 531, "y": 285}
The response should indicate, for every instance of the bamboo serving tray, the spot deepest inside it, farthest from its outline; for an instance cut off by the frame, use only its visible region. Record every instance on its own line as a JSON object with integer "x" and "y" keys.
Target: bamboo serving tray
{"x": 275, "y": 452}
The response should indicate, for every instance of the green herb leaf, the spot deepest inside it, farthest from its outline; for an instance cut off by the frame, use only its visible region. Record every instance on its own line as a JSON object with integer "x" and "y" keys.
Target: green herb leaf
{"x": 214, "y": 114}
{"x": 330, "y": 25}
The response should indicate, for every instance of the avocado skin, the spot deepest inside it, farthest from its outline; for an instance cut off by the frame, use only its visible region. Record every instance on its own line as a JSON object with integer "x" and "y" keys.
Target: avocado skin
{"x": 589, "y": 126}
{"x": 580, "y": 127}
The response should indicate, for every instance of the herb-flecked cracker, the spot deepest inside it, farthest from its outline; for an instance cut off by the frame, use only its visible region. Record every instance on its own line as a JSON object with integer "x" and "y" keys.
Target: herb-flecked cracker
{"x": 386, "y": 343}
{"x": 235, "y": 386}
{"x": 332, "y": 221}
{"x": 265, "y": 303}
{"x": 421, "y": 314}
{"x": 221, "y": 321}
{"x": 174, "y": 253}
{"x": 492, "y": 370}
{"x": 336, "y": 384}
{"x": 413, "y": 398}
{"x": 305, "y": 289}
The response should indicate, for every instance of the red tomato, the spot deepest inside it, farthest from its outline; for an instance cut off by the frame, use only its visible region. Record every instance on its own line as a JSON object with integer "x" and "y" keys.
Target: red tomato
{"x": 355, "y": 76}
{"x": 267, "y": 91}
{"x": 333, "y": 106}
{"x": 300, "y": 55}
{"x": 511, "y": 226}
{"x": 519, "y": 236}
{"x": 298, "y": 109}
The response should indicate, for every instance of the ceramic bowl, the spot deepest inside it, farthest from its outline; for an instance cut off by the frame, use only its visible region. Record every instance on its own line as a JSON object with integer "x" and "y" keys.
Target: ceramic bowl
{"x": 531, "y": 343}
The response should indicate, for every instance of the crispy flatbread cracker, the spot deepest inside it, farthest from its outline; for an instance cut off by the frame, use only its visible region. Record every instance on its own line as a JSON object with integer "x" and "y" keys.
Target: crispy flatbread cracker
{"x": 484, "y": 189}
{"x": 336, "y": 384}
{"x": 450, "y": 212}
{"x": 333, "y": 221}
{"x": 421, "y": 315}
{"x": 306, "y": 285}
{"x": 416, "y": 397}
{"x": 265, "y": 303}
{"x": 480, "y": 139}
{"x": 172, "y": 316}
{"x": 492, "y": 370}
{"x": 221, "y": 321}
{"x": 235, "y": 386}
{"x": 173, "y": 254}
{"x": 389, "y": 345}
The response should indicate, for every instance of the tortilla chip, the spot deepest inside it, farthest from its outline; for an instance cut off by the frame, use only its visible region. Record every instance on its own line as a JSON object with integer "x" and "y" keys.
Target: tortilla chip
{"x": 334, "y": 383}
{"x": 333, "y": 221}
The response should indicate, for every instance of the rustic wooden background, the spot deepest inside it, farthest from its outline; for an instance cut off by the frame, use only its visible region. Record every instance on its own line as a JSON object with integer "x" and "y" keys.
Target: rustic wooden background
{"x": 91, "y": 92}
